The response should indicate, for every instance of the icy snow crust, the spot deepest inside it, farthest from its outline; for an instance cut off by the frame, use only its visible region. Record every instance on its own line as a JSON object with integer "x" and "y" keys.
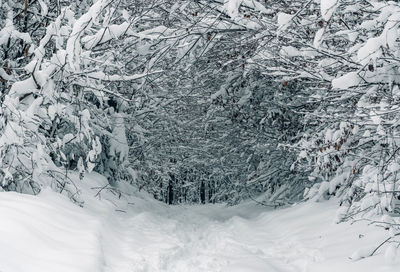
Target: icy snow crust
{"x": 135, "y": 233}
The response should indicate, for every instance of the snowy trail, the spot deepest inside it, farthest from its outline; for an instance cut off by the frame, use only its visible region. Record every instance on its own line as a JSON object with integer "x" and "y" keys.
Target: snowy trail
{"x": 49, "y": 233}
{"x": 184, "y": 239}
{"x": 246, "y": 238}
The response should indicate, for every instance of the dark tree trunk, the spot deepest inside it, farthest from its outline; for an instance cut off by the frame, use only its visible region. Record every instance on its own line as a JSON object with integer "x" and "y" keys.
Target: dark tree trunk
{"x": 203, "y": 193}
{"x": 170, "y": 194}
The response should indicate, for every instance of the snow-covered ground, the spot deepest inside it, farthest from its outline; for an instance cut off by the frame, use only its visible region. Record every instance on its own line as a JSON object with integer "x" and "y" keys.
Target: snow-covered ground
{"x": 49, "y": 233}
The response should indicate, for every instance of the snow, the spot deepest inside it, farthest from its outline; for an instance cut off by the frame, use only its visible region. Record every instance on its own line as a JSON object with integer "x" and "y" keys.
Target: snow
{"x": 106, "y": 34}
{"x": 102, "y": 76}
{"x": 154, "y": 33}
{"x": 43, "y": 7}
{"x": 346, "y": 81}
{"x": 290, "y": 51}
{"x": 84, "y": 22}
{"x": 47, "y": 233}
{"x": 370, "y": 50}
{"x": 257, "y": 6}
{"x": 23, "y": 87}
{"x": 231, "y": 7}
{"x": 118, "y": 143}
{"x": 11, "y": 134}
{"x": 283, "y": 20}
{"x": 4, "y": 75}
{"x": 394, "y": 167}
{"x": 318, "y": 37}
{"x": 328, "y": 7}
{"x": 136, "y": 233}
{"x": 9, "y": 31}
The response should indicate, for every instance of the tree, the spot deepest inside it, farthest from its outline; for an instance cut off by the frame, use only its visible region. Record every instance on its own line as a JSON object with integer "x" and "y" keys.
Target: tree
{"x": 58, "y": 85}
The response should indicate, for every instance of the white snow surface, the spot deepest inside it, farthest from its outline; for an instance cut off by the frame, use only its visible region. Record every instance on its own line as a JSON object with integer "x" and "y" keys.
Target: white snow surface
{"x": 346, "y": 81}
{"x": 135, "y": 233}
{"x": 328, "y": 7}
{"x": 283, "y": 20}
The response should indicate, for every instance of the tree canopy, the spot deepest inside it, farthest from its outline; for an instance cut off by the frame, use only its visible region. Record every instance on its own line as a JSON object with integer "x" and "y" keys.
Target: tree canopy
{"x": 204, "y": 101}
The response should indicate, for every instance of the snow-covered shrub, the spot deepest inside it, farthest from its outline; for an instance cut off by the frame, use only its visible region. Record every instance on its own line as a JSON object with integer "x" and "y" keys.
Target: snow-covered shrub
{"x": 54, "y": 91}
{"x": 351, "y": 141}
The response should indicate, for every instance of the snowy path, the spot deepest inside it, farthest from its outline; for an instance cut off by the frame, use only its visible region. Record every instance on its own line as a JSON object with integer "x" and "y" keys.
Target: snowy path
{"x": 246, "y": 238}
{"x": 183, "y": 240}
{"x": 49, "y": 233}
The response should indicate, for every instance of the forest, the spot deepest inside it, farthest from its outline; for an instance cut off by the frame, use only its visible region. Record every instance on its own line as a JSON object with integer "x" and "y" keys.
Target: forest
{"x": 204, "y": 104}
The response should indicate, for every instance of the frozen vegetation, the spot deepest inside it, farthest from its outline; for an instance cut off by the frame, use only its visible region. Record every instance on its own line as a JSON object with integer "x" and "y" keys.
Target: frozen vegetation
{"x": 182, "y": 135}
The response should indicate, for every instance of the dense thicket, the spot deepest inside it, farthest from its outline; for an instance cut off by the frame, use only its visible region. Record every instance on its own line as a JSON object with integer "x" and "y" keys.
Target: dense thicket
{"x": 204, "y": 101}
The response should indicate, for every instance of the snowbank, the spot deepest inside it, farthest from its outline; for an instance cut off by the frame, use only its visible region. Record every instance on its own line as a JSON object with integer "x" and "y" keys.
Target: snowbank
{"x": 135, "y": 233}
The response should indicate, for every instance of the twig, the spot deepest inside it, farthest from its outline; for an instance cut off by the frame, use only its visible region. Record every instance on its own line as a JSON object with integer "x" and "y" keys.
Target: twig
{"x": 384, "y": 242}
